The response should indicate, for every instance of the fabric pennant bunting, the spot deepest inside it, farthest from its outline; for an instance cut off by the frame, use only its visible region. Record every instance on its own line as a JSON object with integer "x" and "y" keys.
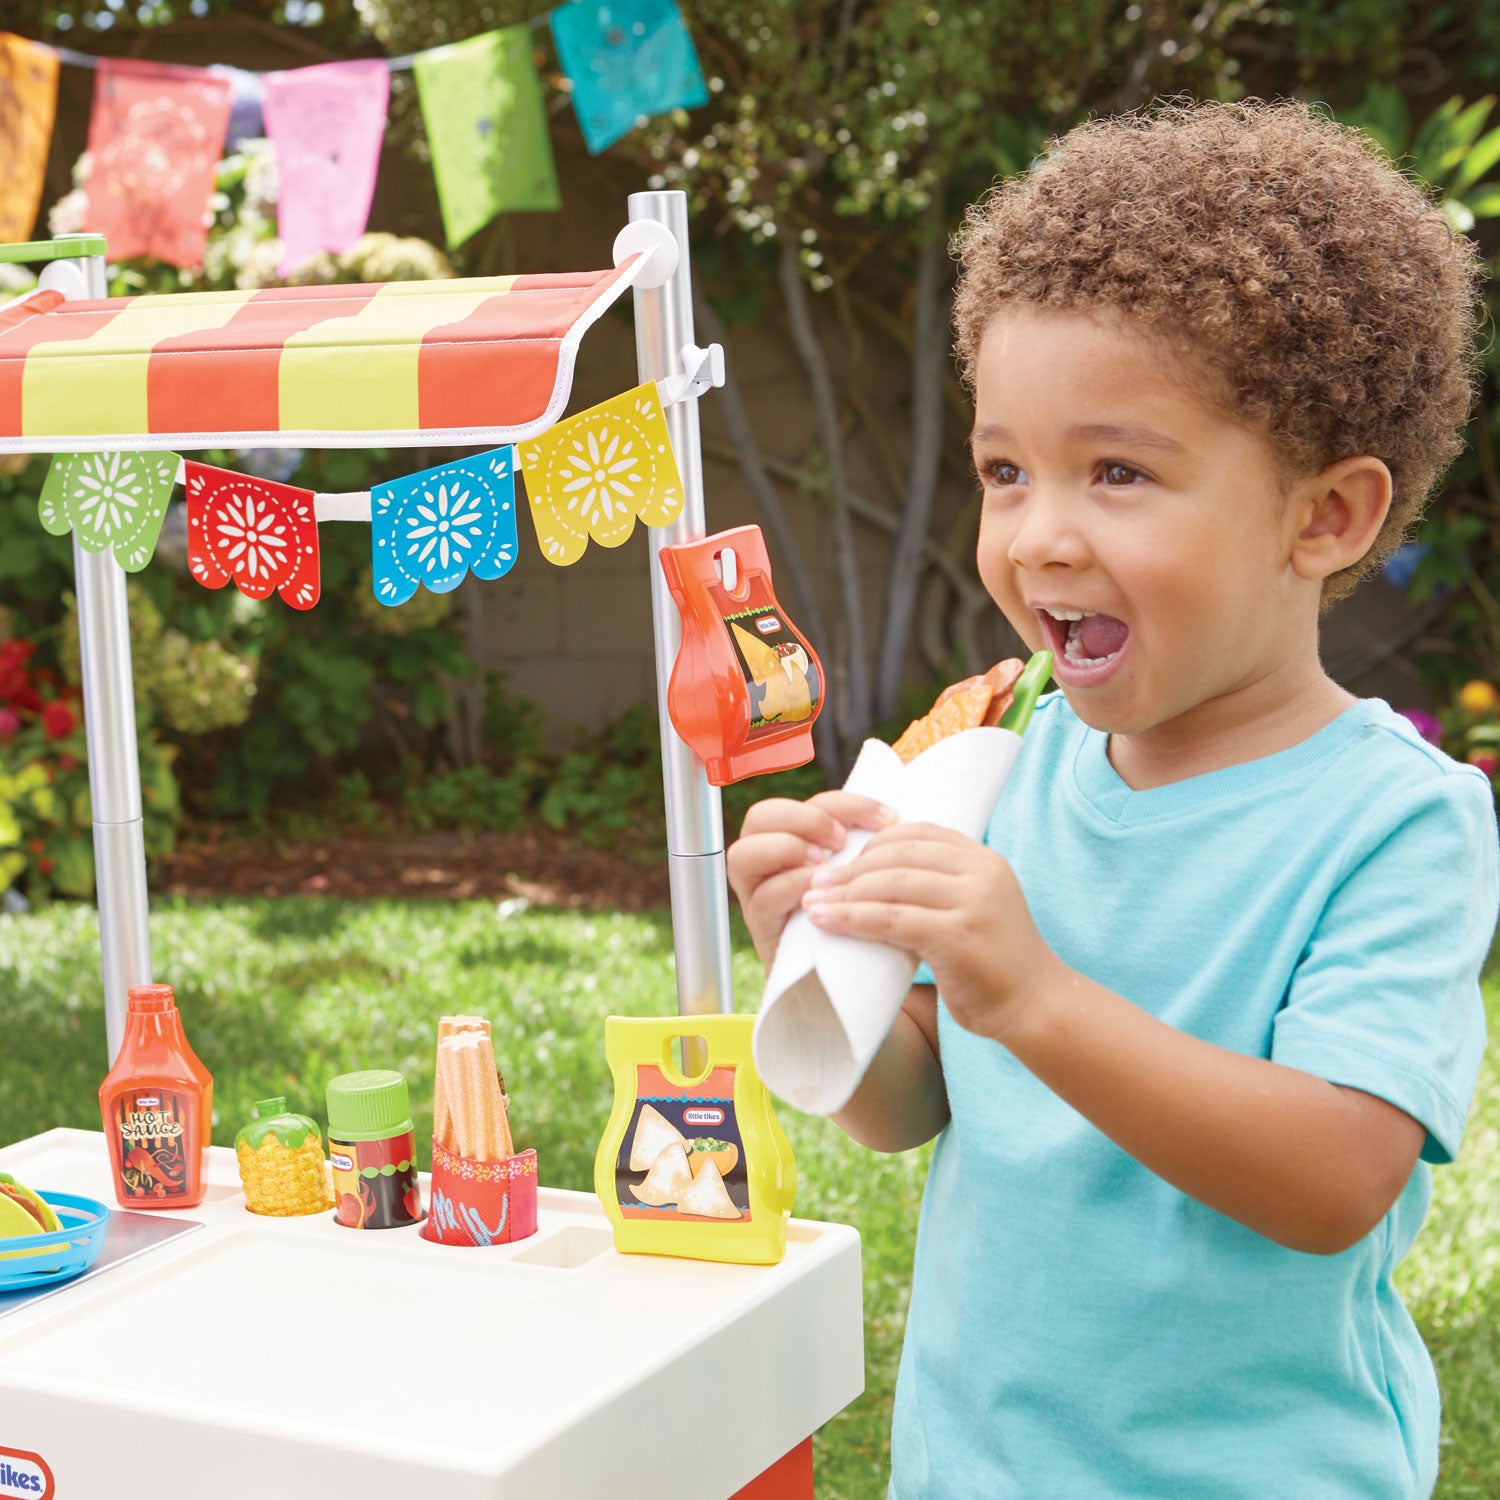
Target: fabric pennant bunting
{"x": 625, "y": 59}
{"x": 487, "y": 127}
{"x": 155, "y": 135}
{"x": 109, "y": 500}
{"x": 594, "y": 474}
{"x": 261, "y": 534}
{"x": 246, "y": 121}
{"x": 327, "y": 123}
{"x": 28, "y": 104}
{"x": 432, "y": 528}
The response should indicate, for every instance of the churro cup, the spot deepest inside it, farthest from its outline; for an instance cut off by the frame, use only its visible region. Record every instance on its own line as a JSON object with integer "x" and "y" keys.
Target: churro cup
{"x": 480, "y": 1203}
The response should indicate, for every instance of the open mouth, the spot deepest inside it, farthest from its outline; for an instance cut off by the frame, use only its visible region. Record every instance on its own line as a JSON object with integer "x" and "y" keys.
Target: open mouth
{"x": 1087, "y": 648}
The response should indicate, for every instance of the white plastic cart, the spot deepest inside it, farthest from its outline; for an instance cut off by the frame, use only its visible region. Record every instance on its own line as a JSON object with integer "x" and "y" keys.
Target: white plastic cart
{"x": 290, "y": 1358}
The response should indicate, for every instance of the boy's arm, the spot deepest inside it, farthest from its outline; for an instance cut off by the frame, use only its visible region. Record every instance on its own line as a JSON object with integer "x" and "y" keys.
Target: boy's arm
{"x": 1307, "y": 1163}
{"x": 901, "y": 1102}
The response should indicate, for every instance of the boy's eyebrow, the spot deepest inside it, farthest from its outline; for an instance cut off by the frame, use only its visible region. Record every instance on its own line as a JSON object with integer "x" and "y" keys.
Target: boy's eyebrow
{"x": 1096, "y": 432}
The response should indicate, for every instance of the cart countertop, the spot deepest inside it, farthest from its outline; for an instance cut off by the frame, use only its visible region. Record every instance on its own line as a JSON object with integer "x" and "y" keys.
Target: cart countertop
{"x": 260, "y": 1356}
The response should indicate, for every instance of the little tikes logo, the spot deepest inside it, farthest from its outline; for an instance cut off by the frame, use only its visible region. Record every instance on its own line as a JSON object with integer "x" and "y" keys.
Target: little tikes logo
{"x": 703, "y": 1117}
{"x": 768, "y": 624}
{"x": 24, "y": 1474}
{"x": 147, "y": 1101}
{"x": 340, "y": 1162}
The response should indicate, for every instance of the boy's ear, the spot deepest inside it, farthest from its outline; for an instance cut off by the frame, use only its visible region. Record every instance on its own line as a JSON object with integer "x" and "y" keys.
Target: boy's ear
{"x": 1339, "y": 512}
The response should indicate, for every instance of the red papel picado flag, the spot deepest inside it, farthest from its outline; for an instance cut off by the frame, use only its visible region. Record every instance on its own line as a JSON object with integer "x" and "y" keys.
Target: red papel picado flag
{"x": 261, "y": 534}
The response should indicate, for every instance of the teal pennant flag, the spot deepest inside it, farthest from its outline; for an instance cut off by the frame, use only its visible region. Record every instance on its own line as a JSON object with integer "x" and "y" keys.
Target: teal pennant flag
{"x": 487, "y": 127}
{"x": 625, "y": 59}
{"x": 110, "y": 500}
{"x": 432, "y": 528}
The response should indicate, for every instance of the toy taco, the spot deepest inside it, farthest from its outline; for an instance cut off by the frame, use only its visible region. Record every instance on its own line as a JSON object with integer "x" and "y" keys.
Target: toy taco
{"x": 24, "y": 1213}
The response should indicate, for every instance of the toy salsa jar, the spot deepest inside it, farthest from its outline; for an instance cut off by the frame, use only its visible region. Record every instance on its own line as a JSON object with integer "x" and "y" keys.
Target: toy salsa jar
{"x": 372, "y": 1149}
{"x": 157, "y": 1102}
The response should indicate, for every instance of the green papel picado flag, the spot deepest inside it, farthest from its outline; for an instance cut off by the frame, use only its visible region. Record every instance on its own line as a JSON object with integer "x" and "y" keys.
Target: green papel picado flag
{"x": 487, "y": 126}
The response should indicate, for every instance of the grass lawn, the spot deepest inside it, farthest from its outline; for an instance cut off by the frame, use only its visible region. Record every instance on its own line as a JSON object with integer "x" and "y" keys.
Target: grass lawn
{"x": 281, "y": 995}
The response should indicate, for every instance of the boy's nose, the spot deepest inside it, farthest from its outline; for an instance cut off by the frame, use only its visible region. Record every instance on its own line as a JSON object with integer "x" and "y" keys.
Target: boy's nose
{"x": 1047, "y": 533}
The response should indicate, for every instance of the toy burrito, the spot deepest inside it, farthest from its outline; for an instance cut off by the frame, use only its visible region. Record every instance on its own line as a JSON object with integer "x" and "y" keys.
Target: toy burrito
{"x": 830, "y": 1000}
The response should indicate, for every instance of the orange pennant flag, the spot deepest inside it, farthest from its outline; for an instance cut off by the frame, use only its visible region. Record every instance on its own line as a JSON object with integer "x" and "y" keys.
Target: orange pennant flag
{"x": 28, "y": 104}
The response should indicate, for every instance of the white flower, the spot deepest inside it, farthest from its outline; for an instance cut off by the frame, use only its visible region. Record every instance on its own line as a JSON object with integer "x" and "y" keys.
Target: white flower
{"x": 107, "y": 492}
{"x": 438, "y": 529}
{"x": 256, "y": 540}
{"x": 605, "y": 475}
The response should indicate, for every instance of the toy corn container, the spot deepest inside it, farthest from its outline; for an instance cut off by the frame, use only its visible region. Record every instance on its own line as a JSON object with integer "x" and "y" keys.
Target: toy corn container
{"x": 282, "y": 1167}
{"x": 696, "y": 1167}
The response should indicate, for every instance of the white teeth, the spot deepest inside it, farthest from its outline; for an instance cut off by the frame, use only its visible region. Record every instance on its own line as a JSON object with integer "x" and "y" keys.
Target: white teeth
{"x": 1069, "y": 614}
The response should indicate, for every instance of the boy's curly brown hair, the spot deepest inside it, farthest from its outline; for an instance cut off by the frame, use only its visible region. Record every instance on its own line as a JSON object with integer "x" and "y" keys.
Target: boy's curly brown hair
{"x": 1320, "y": 288}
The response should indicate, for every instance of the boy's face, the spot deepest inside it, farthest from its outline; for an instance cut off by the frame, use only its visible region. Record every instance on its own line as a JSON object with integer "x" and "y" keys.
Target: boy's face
{"x": 1109, "y": 486}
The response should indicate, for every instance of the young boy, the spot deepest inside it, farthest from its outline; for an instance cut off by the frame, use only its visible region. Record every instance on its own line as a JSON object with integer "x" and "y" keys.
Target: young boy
{"x": 1205, "y": 1003}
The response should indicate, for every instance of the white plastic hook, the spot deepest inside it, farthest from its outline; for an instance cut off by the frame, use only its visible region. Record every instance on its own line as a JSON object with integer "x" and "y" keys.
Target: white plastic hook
{"x": 702, "y": 369}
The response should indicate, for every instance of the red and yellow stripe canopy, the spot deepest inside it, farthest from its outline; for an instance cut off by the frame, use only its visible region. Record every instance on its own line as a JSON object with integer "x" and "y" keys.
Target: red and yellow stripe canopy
{"x": 485, "y": 361}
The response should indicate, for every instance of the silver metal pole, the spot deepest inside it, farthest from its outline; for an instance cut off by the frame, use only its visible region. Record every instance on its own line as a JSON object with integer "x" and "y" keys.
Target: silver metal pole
{"x": 695, "y": 813}
{"x": 114, "y": 770}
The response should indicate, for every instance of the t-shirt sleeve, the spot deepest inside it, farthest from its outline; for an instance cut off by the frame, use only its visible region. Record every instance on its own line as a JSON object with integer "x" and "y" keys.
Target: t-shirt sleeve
{"x": 1386, "y": 996}
{"x": 923, "y": 974}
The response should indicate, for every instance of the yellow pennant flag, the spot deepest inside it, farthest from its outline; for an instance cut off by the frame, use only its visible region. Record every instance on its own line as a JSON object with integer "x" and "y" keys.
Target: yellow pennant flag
{"x": 594, "y": 474}
{"x": 28, "y": 103}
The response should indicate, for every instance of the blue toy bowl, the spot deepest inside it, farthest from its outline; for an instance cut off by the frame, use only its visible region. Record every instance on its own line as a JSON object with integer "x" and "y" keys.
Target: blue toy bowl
{"x": 36, "y": 1260}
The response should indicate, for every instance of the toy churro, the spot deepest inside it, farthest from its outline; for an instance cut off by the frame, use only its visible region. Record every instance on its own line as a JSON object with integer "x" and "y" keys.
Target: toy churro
{"x": 470, "y": 1115}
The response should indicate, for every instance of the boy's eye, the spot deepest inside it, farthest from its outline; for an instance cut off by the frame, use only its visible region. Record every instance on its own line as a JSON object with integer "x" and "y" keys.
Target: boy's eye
{"x": 999, "y": 472}
{"x": 1119, "y": 474}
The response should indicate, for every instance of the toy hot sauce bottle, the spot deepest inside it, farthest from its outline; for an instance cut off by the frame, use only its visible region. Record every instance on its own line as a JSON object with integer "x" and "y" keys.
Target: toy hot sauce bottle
{"x": 157, "y": 1104}
{"x": 698, "y": 1166}
{"x": 372, "y": 1149}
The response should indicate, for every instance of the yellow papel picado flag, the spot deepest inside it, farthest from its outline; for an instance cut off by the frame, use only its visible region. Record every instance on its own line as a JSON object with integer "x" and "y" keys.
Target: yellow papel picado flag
{"x": 594, "y": 474}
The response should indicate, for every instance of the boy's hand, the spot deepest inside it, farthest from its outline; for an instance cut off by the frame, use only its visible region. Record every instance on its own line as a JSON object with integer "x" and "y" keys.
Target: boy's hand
{"x": 953, "y": 902}
{"x": 781, "y": 844}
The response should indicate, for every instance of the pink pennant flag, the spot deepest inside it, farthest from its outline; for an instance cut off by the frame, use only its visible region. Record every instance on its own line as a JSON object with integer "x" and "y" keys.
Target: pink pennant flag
{"x": 156, "y": 134}
{"x": 327, "y": 123}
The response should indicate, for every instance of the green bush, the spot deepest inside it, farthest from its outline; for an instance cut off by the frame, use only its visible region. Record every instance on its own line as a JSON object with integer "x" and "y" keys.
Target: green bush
{"x": 473, "y": 800}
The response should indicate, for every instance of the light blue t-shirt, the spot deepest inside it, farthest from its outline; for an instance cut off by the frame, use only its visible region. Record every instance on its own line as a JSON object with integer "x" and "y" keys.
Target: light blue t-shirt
{"x": 1079, "y": 1329}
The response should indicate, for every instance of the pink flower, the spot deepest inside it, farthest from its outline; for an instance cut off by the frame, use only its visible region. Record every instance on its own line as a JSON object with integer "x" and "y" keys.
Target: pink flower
{"x": 1485, "y": 760}
{"x": 10, "y": 722}
{"x": 1425, "y": 725}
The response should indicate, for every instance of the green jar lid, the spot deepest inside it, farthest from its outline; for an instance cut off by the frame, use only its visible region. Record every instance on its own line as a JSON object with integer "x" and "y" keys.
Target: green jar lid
{"x": 368, "y": 1106}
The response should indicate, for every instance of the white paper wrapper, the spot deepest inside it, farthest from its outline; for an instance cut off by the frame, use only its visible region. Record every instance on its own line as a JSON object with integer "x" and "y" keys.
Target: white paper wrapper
{"x": 831, "y": 1000}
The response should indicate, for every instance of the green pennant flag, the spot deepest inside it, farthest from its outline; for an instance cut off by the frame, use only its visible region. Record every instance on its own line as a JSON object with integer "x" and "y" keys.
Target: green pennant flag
{"x": 109, "y": 500}
{"x": 487, "y": 127}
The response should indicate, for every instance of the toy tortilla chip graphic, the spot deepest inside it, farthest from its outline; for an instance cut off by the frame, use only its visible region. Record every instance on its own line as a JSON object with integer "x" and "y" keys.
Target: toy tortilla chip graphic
{"x": 708, "y": 1197}
{"x": 781, "y": 675}
{"x": 653, "y": 1134}
{"x": 669, "y": 1179}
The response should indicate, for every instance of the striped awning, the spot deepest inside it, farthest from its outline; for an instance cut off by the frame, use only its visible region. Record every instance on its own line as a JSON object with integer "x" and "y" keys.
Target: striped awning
{"x": 484, "y": 361}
